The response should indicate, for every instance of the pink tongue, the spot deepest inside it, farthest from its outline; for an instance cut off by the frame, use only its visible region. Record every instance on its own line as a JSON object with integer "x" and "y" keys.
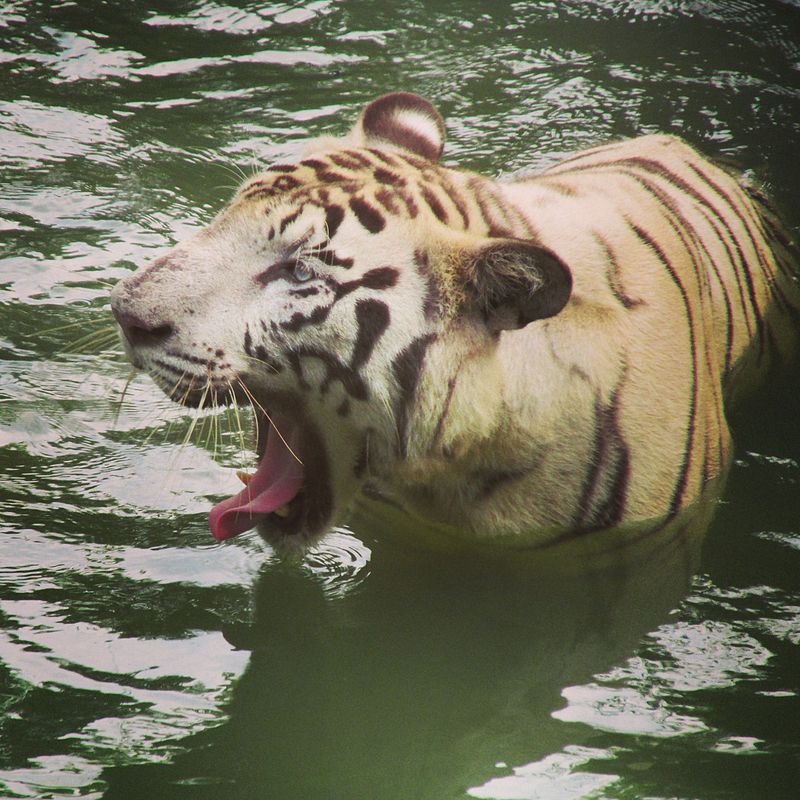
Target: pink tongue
{"x": 277, "y": 480}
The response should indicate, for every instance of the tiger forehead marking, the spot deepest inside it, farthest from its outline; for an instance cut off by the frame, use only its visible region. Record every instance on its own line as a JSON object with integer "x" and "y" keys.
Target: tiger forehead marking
{"x": 373, "y": 184}
{"x": 523, "y": 361}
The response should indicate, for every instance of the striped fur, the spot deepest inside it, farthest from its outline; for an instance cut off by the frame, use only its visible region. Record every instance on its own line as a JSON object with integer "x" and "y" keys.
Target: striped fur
{"x": 526, "y": 360}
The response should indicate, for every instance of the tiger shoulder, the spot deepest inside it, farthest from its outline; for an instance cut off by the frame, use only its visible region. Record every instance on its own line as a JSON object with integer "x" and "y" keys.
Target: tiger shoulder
{"x": 522, "y": 360}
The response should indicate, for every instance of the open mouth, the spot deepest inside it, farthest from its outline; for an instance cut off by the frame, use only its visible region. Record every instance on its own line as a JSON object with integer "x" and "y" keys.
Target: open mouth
{"x": 289, "y": 491}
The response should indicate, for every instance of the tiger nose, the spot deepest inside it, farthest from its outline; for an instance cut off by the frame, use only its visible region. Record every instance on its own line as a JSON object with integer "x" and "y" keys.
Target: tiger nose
{"x": 140, "y": 332}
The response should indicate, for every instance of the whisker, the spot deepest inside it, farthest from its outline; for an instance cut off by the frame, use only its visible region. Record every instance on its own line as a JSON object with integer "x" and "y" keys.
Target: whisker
{"x": 171, "y": 393}
{"x": 189, "y": 389}
{"x": 215, "y": 439}
{"x": 94, "y": 340}
{"x": 235, "y": 407}
{"x": 262, "y": 362}
{"x": 170, "y": 396}
{"x": 196, "y": 416}
{"x": 211, "y": 417}
{"x": 121, "y": 400}
{"x": 264, "y": 412}
{"x": 81, "y": 323}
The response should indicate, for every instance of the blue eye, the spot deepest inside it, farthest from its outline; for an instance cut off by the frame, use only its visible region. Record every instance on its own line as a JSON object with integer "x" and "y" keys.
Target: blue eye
{"x": 302, "y": 272}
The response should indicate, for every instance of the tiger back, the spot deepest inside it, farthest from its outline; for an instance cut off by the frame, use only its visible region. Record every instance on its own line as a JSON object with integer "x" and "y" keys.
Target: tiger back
{"x": 522, "y": 360}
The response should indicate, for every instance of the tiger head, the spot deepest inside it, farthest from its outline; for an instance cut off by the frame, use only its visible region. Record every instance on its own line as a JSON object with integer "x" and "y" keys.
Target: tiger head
{"x": 339, "y": 296}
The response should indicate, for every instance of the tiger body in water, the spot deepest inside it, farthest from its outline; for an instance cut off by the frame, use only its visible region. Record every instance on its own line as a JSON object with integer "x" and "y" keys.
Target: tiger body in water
{"x": 524, "y": 360}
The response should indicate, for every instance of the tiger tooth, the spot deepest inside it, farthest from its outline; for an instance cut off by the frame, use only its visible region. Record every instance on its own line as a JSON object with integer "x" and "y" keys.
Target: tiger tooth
{"x": 283, "y": 511}
{"x": 243, "y": 476}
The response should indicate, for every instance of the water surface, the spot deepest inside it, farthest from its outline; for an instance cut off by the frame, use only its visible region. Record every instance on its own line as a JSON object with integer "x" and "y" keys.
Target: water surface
{"x": 137, "y": 658}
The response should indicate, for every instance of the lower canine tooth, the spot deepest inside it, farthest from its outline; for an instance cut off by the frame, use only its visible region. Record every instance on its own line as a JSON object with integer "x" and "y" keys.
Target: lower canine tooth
{"x": 283, "y": 511}
{"x": 243, "y": 476}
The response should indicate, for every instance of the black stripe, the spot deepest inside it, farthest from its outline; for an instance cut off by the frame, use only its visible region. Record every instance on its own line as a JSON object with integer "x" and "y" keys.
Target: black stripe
{"x": 492, "y": 482}
{"x": 336, "y": 371}
{"x": 298, "y": 320}
{"x": 263, "y": 357}
{"x": 260, "y": 189}
{"x": 308, "y": 291}
{"x": 612, "y": 509}
{"x": 388, "y": 200}
{"x": 259, "y": 353}
{"x": 348, "y": 160}
{"x": 289, "y": 219}
{"x": 614, "y": 277}
{"x": 744, "y": 215}
{"x": 775, "y": 232}
{"x": 411, "y": 204}
{"x": 515, "y": 219}
{"x": 274, "y": 272}
{"x": 557, "y": 186}
{"x": 378, "y": 279}
{"x": 416, "y": 162}
{"x": 387, "y": 176}
{"x": 584, "y": 518}
{"x": 434, "y": 204}
{"x": 256, "y": 183}
{"x": 683, "y": 475}
{"x": 593, "y": 151}
{"x": 654, "y": 167}
{"x": 360, "y": 157}
{"x": 333, "y": 219}
{"x": 453, "y": 194}
{"x": 724, "y": 195}
{"x": 296, "y": 366}
{"x": 373, "y": 319}
{"x": 369, "y": 217}
{"x": 406, "y": 368}
{"x": 486, "y": 205}
{"x": 448, "y": 399}
{"x": 385, "y": 156}
{"x": 433, "y": 296}
{"x": 681, "y": 225}
{"x": 512, "y": 222}
{"x": 286, "y": 183}
{"x": 314, "y": 163}
{"x": 324, "y": 172}
{"x": 753, "y": 211}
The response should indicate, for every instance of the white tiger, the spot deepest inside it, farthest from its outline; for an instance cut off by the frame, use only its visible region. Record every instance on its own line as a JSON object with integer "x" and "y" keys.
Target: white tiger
{"x": 522, "y": 360}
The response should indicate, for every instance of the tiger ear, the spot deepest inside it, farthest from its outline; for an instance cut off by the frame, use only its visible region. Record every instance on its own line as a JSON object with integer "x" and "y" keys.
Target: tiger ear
{"x": 512, "y": 282}
{"x": 402, "y": 121}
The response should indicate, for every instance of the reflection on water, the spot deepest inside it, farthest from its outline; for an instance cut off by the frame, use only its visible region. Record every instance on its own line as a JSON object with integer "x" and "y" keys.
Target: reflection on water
{"x": 418, "y": 680}
{"x": 135, "y": 653}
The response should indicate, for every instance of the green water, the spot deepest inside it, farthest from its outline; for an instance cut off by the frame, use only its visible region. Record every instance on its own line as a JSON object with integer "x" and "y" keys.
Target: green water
{"x": 140, "y": 660}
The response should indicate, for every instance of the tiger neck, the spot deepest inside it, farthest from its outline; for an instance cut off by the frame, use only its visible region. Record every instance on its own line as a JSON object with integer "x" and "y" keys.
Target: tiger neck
{"x": 459, "y": 418}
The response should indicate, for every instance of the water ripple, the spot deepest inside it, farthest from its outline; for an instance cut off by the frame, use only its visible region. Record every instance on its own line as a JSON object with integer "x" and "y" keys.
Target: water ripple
{"x": 35, "y": 134}
{"x": 339, "y": 562}
{"x": 560, "y": 776}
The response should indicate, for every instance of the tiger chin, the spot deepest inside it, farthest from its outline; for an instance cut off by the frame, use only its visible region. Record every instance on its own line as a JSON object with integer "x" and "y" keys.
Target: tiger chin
{"x": 524, "y": 359}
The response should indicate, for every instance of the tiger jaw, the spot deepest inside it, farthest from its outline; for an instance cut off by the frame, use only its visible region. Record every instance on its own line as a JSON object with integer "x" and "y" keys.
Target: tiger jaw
{"x": 290, "y": 495}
